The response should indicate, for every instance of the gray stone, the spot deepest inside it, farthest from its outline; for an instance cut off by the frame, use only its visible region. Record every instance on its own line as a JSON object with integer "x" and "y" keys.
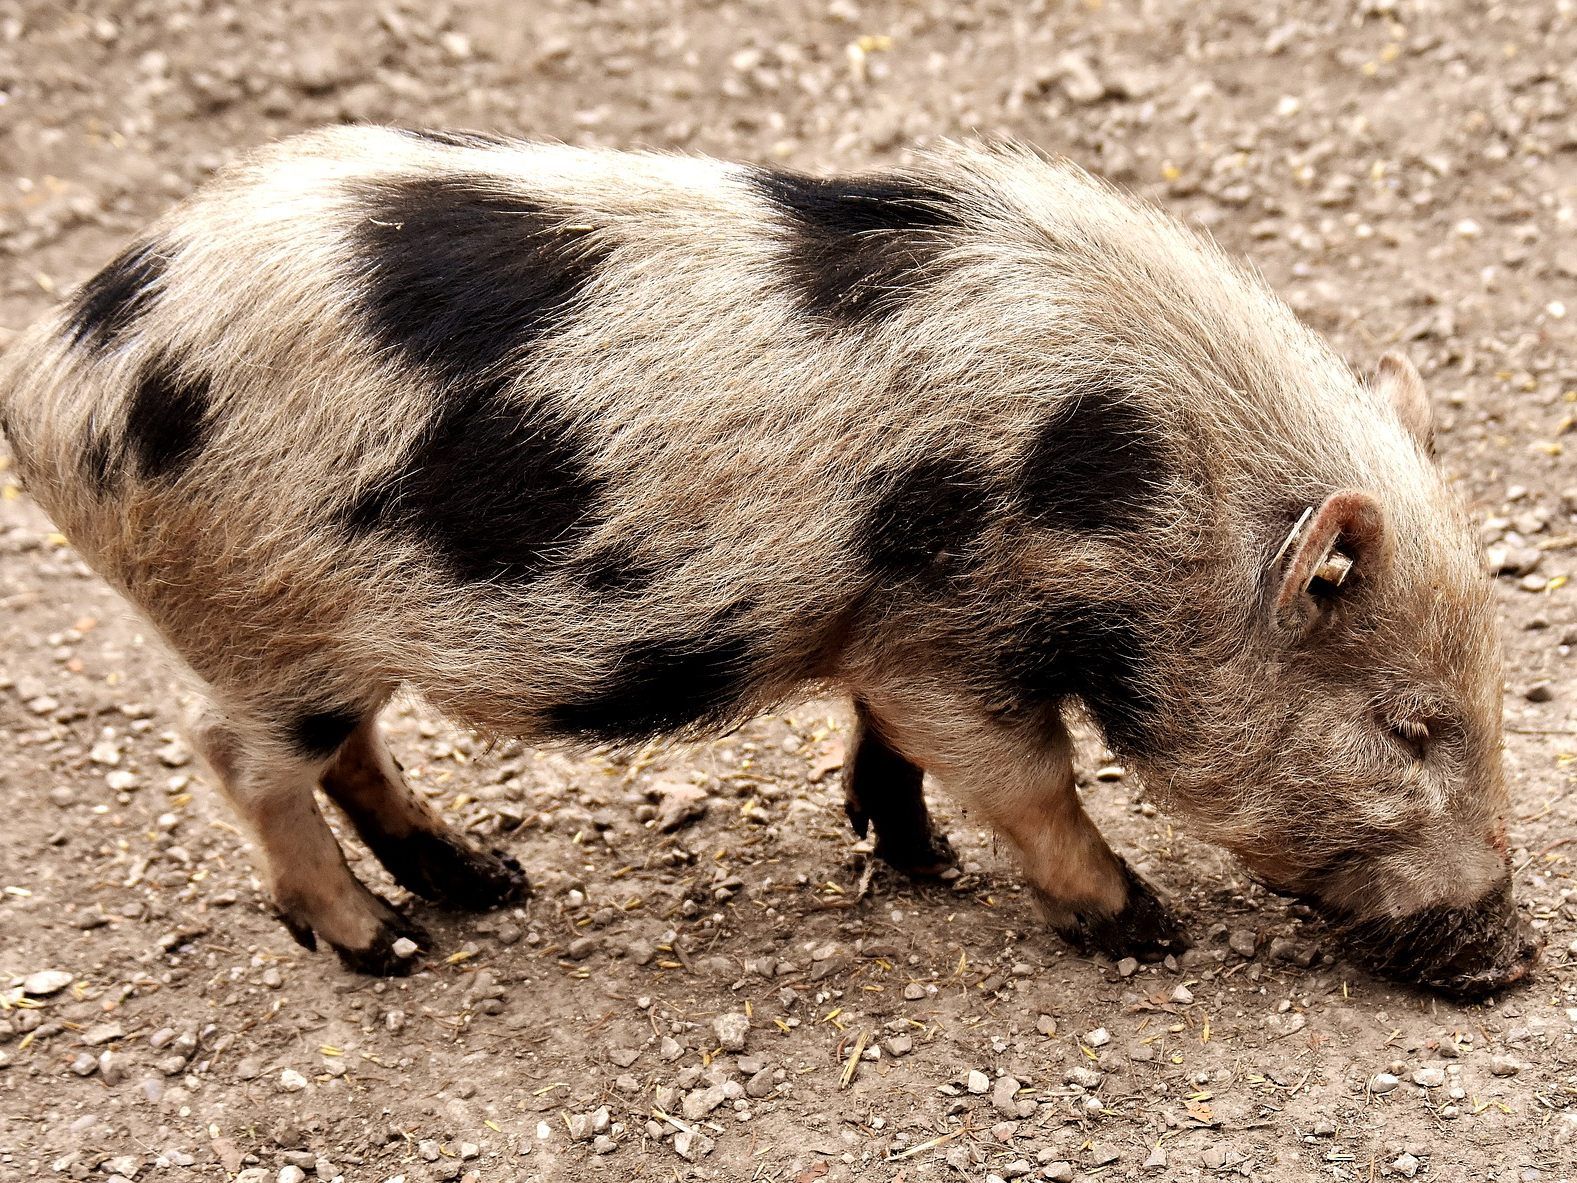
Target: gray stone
{"x": 1003, "y": 1095}
{"x": 46, "y": 982}
{"x": 1429, "y": 1078}
{"x": 978, "y": 1082}
{"x": 1383, "y": 1082}
{"x": 731, "y": 1029}
{"x": 761, "y": 1084}
{"x": 103, "y": 1033}
{"x": 1243, "y": 941}
{"x": 699, "y": 1103}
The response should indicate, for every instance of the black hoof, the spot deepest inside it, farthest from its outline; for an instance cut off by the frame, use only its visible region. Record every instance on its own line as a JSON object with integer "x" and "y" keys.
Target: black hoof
{"x": 443, "y": 868}
{"x": 923, "y": 856}
{"x": 1143, "y": 929}
{"x": 381, "y": 958}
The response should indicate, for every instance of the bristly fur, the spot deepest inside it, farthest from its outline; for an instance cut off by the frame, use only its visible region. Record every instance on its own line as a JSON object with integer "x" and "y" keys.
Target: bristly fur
{"x": 606, "y": 445}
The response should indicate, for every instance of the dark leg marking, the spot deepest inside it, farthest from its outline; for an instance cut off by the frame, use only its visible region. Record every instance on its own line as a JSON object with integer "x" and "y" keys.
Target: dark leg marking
{"x": 1142, "y": 928}
{"x": 168, "y": 419}
{"x": 927, "y": 517}
{"x": 440, "y": 866}
{"x": 859, "y": 245}
{"x": 883, "y": 790}
{"x": 662, "y": 687}
{"x": 408, "y": 837}
{"x": 110, "y": 303}
{"x": 1098, "y": 463}
{"x": 319, "y": 734}
{"x": 1092, "y": 651}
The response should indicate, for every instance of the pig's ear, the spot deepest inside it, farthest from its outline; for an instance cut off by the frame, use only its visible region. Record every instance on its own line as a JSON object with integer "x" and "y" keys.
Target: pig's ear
{"x": 1333, "y": 549}
{"x": 1399, "y": 381}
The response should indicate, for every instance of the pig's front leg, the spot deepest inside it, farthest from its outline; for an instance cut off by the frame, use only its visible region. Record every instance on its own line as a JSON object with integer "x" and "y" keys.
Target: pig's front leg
{"x": 1021, "y": 778}
{"x": 1089, "y": 893}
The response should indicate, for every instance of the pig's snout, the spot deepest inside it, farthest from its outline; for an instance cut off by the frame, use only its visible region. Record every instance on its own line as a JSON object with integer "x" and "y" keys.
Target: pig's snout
{"x": 1466, "y": 952}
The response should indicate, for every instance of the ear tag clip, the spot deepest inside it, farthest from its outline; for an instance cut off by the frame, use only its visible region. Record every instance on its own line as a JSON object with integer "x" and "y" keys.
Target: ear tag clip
{"x": 1333, "y": 569}
{"x": 1292, "y": 536}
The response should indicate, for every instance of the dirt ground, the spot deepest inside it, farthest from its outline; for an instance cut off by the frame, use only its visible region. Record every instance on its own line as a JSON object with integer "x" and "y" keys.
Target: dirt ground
{"x": 1404, "y": 171}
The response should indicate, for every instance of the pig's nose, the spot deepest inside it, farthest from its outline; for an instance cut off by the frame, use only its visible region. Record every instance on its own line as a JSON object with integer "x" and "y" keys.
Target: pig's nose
{"x": 1519, "y": 954}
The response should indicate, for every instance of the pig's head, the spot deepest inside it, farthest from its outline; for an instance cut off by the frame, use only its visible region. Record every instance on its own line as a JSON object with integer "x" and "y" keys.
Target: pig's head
{"x": 1348, "y": 751}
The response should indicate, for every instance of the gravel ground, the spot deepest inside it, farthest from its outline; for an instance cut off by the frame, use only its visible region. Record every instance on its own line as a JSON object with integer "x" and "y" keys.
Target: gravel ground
{"x": 705, "y": 985}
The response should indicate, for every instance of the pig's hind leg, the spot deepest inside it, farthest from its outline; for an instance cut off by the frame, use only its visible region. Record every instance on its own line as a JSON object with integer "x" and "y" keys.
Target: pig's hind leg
{"x": 425, "y": 855}
{"x": 270, "y": 782}
{"x": 883, "y": 792}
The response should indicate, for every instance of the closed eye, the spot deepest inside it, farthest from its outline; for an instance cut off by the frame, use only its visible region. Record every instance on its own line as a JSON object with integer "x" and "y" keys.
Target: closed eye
{"x": 1412, "y": 736}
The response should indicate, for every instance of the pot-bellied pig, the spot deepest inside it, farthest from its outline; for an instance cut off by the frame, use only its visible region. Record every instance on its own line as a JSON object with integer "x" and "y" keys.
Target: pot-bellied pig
{"x": 591, "y": 446}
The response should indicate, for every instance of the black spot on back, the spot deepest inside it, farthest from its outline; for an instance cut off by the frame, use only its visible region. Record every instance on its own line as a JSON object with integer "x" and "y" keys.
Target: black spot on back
{"x": 859, "y": 245}
{"x": 110, "y": 303}
{"x": 927, "y": 517}
{"x": 614, "y": 569}
{"x": 660, "y": 687}
{"x": 458, "y": 137}
{"x": 461, "y": 276}
{"x": 1098, "y": 462}
{"x": 319, "y": 734}
{"x": 167, "y": 418}
{"x": 1093, "y": 651}
{"x": 497, "y": 487}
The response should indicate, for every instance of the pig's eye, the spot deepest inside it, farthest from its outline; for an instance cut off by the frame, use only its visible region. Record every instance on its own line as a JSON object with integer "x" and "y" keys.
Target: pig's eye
{"x": 1411, "y": 735}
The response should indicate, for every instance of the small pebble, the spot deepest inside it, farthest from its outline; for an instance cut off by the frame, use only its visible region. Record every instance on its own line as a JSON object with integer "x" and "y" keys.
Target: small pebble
{"x": 291, "y": 1081}
{"x": 1405, "y": 1165}
{"x": 404, "y": 947}
{"x": 46, "y": 982}
{"x": 978, "y": 1082}
{"x": 1503, "y": 1066}
{"x": 1383, "y": 1082}
{"x": 732, "y": 1029}
{"x": 1100, "y": 1037}
{"x": 1429, "y": 1078}
{"x": 292, "y": 1174}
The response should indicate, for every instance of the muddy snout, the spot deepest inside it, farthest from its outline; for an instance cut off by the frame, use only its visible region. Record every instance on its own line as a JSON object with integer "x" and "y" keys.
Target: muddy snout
{"x": 1461, "y": 952}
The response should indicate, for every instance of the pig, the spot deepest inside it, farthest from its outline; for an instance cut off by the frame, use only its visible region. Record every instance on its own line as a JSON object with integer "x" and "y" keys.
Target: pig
{"x": 590, "y": 447}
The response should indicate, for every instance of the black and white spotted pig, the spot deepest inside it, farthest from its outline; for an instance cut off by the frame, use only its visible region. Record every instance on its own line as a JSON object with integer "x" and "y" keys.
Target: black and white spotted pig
{"x": 592, "y": 446}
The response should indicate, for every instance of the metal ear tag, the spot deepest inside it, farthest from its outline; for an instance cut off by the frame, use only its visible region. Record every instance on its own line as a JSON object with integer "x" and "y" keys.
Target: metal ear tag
{"x": 1333, "y": 569}
{"x": 1292, "y": 536}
